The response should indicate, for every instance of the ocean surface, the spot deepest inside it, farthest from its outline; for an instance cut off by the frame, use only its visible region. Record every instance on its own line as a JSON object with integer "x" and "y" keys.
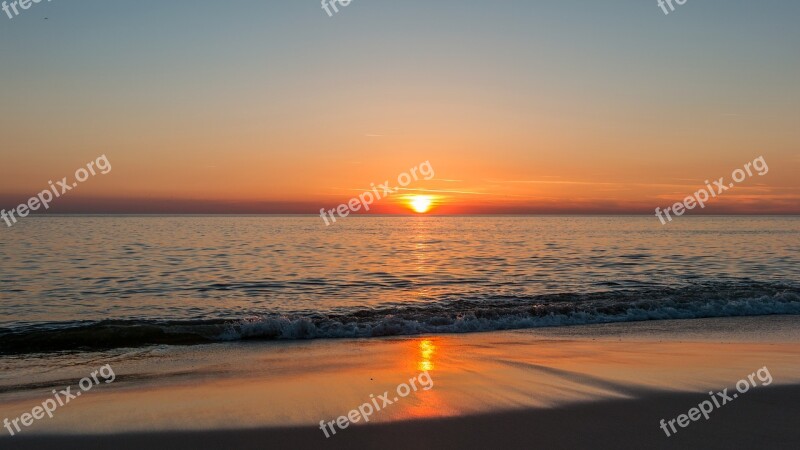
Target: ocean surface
{"x": 84, "y": 283}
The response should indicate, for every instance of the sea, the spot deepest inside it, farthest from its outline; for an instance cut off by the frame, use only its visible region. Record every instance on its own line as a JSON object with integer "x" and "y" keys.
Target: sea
{"x": 96, "y": 283}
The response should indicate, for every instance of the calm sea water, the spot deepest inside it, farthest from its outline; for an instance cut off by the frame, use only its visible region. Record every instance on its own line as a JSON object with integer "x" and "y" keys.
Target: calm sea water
{"x": 104, "y": 282}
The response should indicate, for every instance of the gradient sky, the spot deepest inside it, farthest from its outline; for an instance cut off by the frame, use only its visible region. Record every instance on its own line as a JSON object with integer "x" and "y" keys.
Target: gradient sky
{"x": 254, "y": 106}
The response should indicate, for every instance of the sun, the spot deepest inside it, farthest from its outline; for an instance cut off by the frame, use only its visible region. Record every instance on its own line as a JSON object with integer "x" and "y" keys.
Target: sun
{"x": 421, "y": 203}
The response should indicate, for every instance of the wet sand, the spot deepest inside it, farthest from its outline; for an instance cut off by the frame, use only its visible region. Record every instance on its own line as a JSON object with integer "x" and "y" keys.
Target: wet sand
{"x": 766, "y": 420}
{"x": 602, "y": 386}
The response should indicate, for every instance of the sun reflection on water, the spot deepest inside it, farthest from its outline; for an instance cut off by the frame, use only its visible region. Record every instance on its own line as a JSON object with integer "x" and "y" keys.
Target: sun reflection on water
{"x": 426, "y": 351}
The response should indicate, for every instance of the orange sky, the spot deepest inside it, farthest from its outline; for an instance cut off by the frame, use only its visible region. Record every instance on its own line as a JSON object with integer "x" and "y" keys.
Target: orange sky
{"x": 519, "y": 107}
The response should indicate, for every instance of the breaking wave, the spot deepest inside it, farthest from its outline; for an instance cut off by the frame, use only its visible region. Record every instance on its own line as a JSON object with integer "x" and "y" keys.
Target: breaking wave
{"x": 465, "y": 315}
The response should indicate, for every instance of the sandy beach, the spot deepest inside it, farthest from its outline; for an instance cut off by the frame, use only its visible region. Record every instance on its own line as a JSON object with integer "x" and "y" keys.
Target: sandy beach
{"x": 399, "y": 225}
{"x": 768, "y": 420}
{"x": 569, "y": 387}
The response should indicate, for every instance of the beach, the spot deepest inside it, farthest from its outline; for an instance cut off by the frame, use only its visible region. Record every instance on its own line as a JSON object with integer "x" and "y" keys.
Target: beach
{"x": 567, "y": 387}
{"x": 399, "y": 333}
{"x": 399, "y": 225}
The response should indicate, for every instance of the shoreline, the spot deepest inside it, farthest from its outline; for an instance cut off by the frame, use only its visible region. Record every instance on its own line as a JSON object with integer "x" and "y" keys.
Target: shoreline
{"x": 566, "y": 379}
{"x": 624, "y": 424}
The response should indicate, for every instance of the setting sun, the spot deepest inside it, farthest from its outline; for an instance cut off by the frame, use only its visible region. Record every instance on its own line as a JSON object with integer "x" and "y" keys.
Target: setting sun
{"x": 421, "y": 203}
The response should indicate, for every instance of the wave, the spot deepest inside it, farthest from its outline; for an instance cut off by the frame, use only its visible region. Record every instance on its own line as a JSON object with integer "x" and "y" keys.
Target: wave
{"x": 478, "y": 314}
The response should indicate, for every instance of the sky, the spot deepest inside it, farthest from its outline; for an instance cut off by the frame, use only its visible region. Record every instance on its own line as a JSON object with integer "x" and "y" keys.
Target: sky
{"x": 272, "y": 106}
